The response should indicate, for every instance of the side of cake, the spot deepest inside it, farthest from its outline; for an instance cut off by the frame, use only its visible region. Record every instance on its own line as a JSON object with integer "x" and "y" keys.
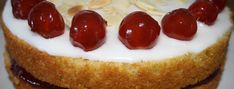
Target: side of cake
{"x": 196, "y": 66}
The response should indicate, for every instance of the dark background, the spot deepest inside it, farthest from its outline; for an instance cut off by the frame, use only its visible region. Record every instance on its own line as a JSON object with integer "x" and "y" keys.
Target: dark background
{"x": 231, "y": 4}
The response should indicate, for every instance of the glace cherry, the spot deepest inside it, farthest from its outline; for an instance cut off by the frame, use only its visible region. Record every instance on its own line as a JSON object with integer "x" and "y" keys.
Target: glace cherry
{"x": 21, "y": 8}
{"x": 138, "y": 30}
{"x": 219, "y": 3}
{"x": 204, "y": 11}
{"x": 45, "y": 20}
{"x": 88, "y": 30}
{"x": 179, "y": 24}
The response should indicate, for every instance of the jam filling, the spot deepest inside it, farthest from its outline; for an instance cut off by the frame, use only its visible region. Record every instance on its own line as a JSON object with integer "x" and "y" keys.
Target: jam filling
{"x": 28, "y": 78}
{"x": 205, "y": 81}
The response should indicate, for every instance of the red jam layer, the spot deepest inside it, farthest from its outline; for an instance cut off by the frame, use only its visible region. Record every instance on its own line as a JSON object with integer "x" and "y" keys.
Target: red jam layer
{"x": 28, "y": 78}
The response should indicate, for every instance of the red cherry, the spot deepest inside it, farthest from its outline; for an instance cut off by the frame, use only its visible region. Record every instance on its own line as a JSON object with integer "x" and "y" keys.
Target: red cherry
{"x": 88, "y": 30}
{"x": 21, "y": 8}
{"x": 219, "y": 3}
{"x": 45, "y": 20}
{"x": 138, "y": 30}
{"x": 204, "y": 11}
{"x": 179, "y": 24}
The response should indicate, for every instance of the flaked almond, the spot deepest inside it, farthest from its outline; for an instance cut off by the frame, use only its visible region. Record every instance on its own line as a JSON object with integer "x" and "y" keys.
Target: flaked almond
{"x": 53, "y": 1}
{"x": 144, "y": 6}
{"x": 121, "y": 4}
{"x": 67, "y": 19}
{"x": 109, "y": 10}
{"x": 113, "y": 19}
{"x": 132, "y": 1}
{"x": 112, "y": 15}
{"x": 96, "y": 4}
{"x": 183, "y": 1}
{"x": 155, "y": 12}
{"x": 68, "y": 8}
{"x": 56, "y": 2}
{"x": 73, "y": 10}
{"x": 62, "y": 9}
{"x": 162, "y": 2}
{"x": 147, "y": 7}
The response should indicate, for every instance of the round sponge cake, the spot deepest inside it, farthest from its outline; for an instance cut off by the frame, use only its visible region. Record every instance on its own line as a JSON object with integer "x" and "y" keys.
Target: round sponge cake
{"x": 177, "y": 72}
{"x": 30, "y": 67}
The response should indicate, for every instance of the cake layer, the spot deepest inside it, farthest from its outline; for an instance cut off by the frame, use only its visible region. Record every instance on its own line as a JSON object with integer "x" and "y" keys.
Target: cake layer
{"x": 69, "y": 72}
{"x": 23, "y": 80}
{"x": 113, "y": 50}
{"x": 28, "y": 78}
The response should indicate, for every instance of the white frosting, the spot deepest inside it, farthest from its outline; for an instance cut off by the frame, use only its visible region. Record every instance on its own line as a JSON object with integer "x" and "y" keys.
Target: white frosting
{"x": 113, "y": 50}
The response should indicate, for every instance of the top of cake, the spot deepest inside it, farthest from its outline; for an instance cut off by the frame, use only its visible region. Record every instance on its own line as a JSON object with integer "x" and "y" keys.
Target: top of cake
{"x": 114, "y": 12}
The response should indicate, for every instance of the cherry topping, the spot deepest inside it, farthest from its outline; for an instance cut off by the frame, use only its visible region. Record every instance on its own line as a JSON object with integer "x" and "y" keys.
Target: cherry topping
{"x": 219, "y": 3}
{"x": 138, "y": 30}
{"x": 21, "y": 8}
{"x": 204, "y": 11}
{"x": 88, "y": 30}
{"x": 45, "y": 20}
{"x": 179, "y": 24}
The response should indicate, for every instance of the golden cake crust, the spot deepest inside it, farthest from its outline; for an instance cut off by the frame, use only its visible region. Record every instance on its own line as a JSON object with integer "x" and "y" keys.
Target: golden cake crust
{"x": 20, "y": 84}
{"x": 76, "y": 73}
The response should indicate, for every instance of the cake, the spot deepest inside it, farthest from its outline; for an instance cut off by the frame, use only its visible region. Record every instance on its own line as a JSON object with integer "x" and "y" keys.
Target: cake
{"x": 178, "y": 48}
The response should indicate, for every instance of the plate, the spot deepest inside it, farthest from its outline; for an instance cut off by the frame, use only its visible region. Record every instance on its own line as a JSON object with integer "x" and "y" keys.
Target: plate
{"x": 226, "y": 81}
